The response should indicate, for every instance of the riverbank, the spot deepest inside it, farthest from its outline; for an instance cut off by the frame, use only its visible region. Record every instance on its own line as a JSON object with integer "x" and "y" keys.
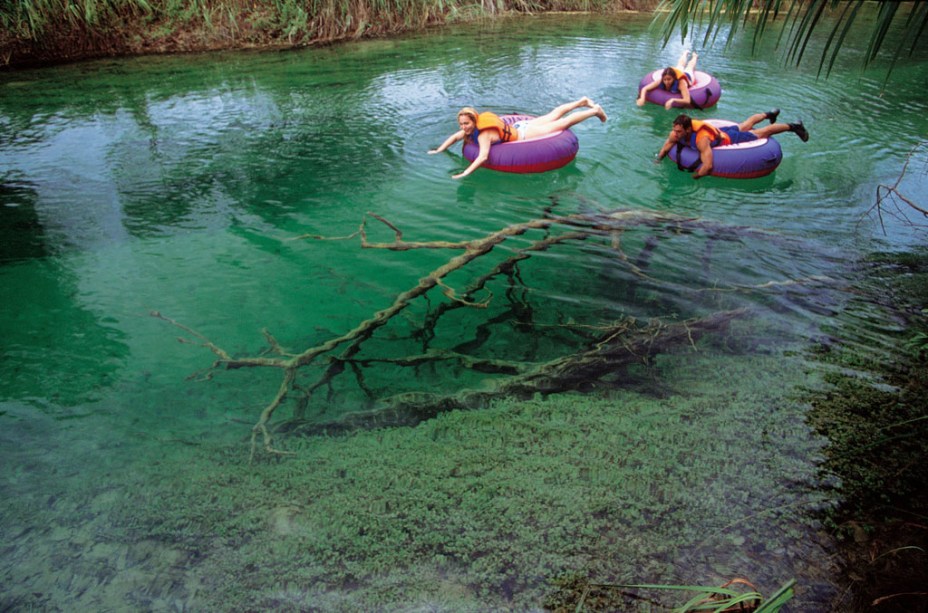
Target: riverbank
{"x": 42, "y": 32}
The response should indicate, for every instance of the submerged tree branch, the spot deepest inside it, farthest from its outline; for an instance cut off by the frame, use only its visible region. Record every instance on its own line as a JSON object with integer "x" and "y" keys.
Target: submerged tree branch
{"x": 620, "y": 346}
{"x": 893, "y": 194}
{"x": 607, "y": 347}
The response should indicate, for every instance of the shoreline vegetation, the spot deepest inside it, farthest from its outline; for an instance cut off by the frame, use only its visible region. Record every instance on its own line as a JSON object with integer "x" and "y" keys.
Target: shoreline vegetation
{"x": 35, "y": 33}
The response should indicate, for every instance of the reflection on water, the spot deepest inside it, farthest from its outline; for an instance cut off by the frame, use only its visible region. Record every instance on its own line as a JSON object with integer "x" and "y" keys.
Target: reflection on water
{"x": 179, "y": 184}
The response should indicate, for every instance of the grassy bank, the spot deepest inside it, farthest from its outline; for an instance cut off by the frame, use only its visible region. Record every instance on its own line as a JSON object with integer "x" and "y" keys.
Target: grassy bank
{"x": 35, "y": 32}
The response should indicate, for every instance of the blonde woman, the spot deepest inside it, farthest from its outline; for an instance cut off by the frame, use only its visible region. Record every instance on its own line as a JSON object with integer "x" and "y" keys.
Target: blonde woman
{"x": 486, "y": 129}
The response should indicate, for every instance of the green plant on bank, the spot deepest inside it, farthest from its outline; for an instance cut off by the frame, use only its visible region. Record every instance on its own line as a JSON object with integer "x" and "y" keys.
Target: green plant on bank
{"x": 32, "y": 19}
{"x": 42, "y": 20}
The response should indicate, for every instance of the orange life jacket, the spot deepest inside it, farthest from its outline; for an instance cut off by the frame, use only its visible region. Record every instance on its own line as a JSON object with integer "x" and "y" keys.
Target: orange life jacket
{"x": 678, "y": 74}
{"x": 703, "y": 129}
{"x": 491, "y": 121}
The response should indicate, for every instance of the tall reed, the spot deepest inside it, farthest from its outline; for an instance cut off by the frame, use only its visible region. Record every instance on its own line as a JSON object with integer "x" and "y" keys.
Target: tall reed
{"x": 49, "y": 30}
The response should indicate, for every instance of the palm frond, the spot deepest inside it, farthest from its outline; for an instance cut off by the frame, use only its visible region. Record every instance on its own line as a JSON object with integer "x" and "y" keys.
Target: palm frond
{"x": 805, "y": 29}
{"x": 854, "y": 7}
{"x": 913, "y": 30}
{"x": 802, "y": 21}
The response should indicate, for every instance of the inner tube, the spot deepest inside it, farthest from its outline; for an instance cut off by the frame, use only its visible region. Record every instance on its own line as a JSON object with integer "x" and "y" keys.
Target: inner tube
{"x": 704, "y": 92}
{"x": 757, "y": 158}
{"x": 527, "y": 156}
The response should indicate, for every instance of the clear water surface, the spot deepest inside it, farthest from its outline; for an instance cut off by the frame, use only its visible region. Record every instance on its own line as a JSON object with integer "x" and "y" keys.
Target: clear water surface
{"x": 188, "y": 185}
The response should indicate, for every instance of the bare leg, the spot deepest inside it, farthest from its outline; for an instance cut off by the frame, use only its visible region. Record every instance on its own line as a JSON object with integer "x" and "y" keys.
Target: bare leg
{"x": 750, "y": 122}
{"x": 681, "y": 63}
{"x": 774, "y": 128}
{"x": 537, "y": 128}
{"x": 562, "y": 110}
{"x": 691, "y": 66}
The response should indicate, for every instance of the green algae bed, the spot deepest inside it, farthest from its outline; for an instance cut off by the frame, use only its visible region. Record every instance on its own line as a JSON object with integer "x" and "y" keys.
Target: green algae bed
{"x": 469, "y": 511}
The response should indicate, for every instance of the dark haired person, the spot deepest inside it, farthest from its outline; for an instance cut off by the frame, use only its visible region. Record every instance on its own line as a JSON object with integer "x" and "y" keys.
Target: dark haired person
{"x": 676, "y": 80}
{"x": 703, "y": 136}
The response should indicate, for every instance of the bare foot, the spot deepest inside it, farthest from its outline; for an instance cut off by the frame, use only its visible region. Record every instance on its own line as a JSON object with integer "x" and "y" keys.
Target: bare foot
{"x": 600, "y": 113}
{"x": 585, "y": 101}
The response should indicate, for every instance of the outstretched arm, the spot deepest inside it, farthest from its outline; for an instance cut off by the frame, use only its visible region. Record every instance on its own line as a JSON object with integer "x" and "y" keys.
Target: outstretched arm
{"x": 668, "y": 145}
{"x": 484, "y": 141}
{"x": 644, "y": 92}
{"x": 449, "y": 141}
{"x": 683, "y": 100}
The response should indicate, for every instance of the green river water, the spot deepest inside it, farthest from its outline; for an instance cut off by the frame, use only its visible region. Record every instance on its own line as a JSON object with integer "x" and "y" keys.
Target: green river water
{"x": 188, "y": 185}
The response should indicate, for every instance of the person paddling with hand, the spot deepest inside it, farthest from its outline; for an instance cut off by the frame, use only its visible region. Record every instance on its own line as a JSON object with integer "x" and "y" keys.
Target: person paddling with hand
{"x": 703, "y": 136}
{"x": 486, "y": 129}
{"x": 676, "y": 80}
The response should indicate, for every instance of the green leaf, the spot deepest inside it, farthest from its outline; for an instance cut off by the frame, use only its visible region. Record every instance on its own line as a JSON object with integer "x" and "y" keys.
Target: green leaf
{"x": 800, "y": 25}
